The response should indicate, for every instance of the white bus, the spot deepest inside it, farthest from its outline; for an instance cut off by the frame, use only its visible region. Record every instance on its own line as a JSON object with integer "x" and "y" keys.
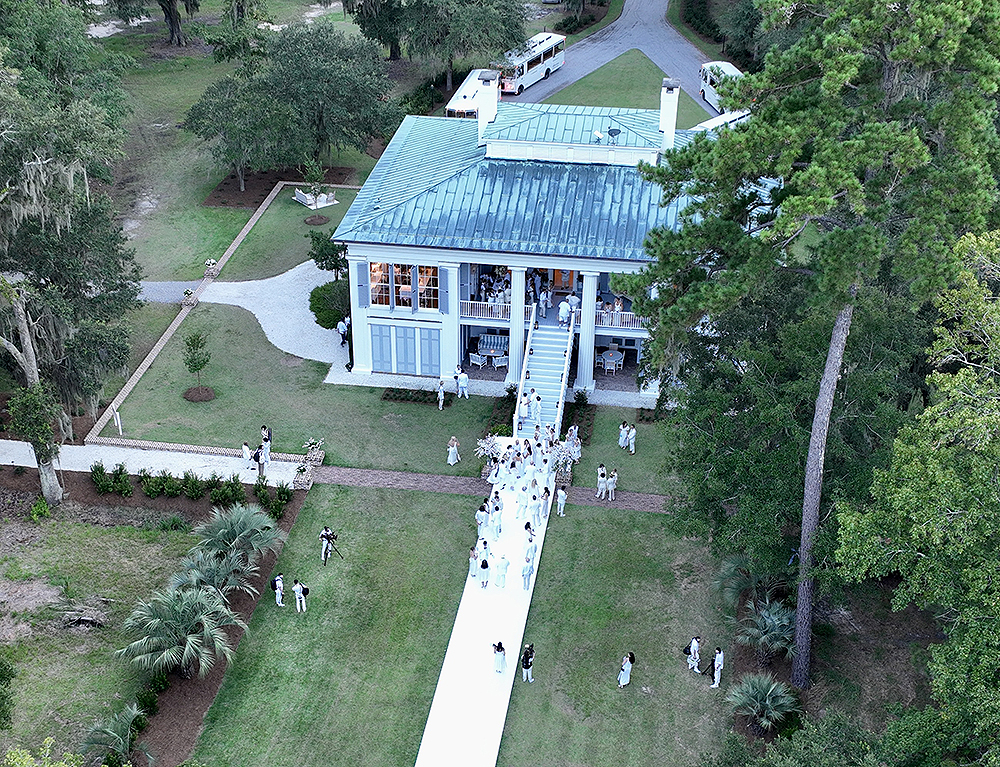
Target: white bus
{"x": 464, "y": 102}
{"x": 542, "y": 55}
{"x": 712, "y": 73}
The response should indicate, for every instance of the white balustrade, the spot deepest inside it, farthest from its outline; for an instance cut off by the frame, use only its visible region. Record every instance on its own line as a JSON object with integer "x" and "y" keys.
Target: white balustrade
{"x": 481, "y": 310}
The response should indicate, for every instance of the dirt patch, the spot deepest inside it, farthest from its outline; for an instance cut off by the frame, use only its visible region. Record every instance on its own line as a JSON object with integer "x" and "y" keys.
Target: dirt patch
{"x": 199, "y": 394}
{"x": 172, "y": 733}
{"x": 227, "y": 193}
{"x": 317, "y": 220}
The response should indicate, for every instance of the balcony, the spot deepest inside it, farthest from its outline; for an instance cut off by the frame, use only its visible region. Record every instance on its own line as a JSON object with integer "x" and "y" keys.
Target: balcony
{"x": 614, "y": 320}
{"x": 481, "y": 310}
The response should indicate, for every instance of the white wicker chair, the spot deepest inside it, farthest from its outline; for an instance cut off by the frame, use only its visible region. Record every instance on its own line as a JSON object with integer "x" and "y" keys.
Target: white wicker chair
{"x": 477, "y": 359}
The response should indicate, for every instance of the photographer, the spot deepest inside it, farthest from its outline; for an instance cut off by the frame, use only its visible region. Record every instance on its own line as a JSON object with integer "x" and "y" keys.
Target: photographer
{"x": 327, "y": 537}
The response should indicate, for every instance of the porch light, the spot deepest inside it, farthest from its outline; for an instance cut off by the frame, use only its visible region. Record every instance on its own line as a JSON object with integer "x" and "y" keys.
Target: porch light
{"x": 527, "y": 374}
{"x": 536, "y": 324}
{"x": 531, "y": 350}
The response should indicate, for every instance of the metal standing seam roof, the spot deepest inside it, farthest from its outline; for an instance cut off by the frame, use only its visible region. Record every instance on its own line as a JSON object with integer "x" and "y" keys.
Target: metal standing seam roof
{"x": 575, "y": 125}
{"x": 433, "y": 187}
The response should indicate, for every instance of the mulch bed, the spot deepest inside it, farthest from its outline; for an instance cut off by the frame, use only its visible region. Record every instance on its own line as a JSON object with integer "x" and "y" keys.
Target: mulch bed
{"x": 173, "y": 732}
{"x": 199, "y": 394}
{"x": 259, "y": 185}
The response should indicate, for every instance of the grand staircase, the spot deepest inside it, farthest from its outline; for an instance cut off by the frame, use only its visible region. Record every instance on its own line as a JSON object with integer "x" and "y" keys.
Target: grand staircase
{"x": 546, "y": 365}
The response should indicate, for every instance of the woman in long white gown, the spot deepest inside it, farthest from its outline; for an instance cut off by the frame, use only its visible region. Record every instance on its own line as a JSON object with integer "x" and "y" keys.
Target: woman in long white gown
{"x": 499, "y": 658}
{"x": 625, "y": 675}
{"x": 453, "y": 456}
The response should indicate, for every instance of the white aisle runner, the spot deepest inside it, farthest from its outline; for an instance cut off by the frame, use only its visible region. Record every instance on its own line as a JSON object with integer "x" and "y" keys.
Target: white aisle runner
{"x": 470, "y": 703}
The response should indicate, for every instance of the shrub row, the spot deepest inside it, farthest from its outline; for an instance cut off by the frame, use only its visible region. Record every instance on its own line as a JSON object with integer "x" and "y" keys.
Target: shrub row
{"x": 222, "y": 492}
{"x": 420, "y": 396}
{"x": 571, "y": 25}
{"x": 501, "y": 420}
{"x": 649, "y": 415}
{"x": 582, "y": 413}
{"x": 273, "y": 505}
{"x": 697, "y": 15}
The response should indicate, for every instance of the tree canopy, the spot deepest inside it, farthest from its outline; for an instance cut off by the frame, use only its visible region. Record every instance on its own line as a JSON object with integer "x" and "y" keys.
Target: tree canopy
{"x": 875, "y": 129}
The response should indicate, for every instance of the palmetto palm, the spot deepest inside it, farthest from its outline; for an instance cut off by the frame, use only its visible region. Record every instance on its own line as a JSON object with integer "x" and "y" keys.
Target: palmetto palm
{"x": 180, "y": 629}
{"x": 739, "y": 579}
{"x": 244, "y": 529}
{"x": 115, "y": 736}
{"x": 769, "y": 629}
{"x": 225, "y": 573}
{"x": 763, "y": 700}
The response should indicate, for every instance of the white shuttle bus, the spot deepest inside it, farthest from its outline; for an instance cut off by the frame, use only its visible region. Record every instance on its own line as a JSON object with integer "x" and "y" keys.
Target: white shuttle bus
{"x": 712, "y": 73}
{"x": 465, "y": 101}
{"x": 542, "y": 55}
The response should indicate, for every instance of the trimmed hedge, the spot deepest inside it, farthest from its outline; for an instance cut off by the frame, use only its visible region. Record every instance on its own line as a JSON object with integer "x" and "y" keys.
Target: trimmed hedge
{"x": 330, "y": 303}
{"x": 420, "y": 396}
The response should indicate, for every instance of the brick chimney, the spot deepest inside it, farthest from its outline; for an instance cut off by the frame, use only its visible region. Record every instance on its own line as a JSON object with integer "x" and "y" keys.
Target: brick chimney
{"x": 670, "y": 94}
{"x": 487, "y": 96}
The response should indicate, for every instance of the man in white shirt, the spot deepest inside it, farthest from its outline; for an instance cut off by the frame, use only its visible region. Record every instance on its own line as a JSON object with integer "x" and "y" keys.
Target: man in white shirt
{"x": 342, "y": 329}
{"x": 695, "y": 657}
{"x": 574, "y": 301}
{"x": 717, "y": 664}
{"x": 463, "y": 384}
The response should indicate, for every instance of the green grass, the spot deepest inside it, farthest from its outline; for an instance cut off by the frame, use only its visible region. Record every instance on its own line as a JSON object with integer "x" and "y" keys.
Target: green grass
{"x": 642, "y": 472}
{"x": 351, "y": 680}
{"x": 279, "y": 240}
{"x": 67, "y": 678}
{"x": 631, "y": 81}
{"x": 609, "y": 583}
{"x": 256, "y": 383}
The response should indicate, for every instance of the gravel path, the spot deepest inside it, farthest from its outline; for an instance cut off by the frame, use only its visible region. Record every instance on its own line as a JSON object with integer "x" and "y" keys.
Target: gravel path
{"x": 436, "y": 483}
{"x": 642, "y": 25}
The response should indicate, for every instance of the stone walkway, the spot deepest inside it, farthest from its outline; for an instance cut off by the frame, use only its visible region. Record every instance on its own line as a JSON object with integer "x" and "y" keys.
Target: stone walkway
{"x": 438, "y": 483}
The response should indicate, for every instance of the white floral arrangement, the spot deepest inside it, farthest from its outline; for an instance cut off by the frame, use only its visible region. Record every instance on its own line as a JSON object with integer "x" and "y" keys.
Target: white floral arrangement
{"x": 313, "y": 444}
{"x": 210, "y": 263}
{"x": 489, "y": 447}
{"x": 562, "y": 457}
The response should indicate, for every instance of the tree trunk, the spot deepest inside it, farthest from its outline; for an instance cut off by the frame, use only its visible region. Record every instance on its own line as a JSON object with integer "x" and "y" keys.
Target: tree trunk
{"x": 30, "y": 361}
{"x": 448, "y": 75}
{"x": 51, "y": 488}
{"x": 813, "y": 491}
{"x": 395, "y": 51}
{"x": 172, "y": 16}
{"x": 242, "y": 176}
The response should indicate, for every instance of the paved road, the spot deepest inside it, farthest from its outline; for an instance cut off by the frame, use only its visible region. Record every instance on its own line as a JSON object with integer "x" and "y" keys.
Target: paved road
{"x": 642, "y": 25}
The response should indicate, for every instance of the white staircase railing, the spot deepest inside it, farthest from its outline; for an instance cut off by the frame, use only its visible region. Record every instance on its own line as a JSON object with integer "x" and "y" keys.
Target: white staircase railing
{"x": 524, "y": 367}
{"x": 565, "y": 377}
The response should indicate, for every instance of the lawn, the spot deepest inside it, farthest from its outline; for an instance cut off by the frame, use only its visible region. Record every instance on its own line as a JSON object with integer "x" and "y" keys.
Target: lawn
{"x": 351, "y": 680}
{"x": 642, "y": 472}
{"x": 280, "y": 238}
{"x": 609, "y": 583}
{"x": 256, "y": 383}
{"x": 67, "y": 678}
{"x": 632, "y": 81}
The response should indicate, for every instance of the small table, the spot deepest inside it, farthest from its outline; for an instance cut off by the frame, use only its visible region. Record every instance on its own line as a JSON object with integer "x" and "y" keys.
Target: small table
{"x": 610, "y": 356}
{"x": 493, "y": 352}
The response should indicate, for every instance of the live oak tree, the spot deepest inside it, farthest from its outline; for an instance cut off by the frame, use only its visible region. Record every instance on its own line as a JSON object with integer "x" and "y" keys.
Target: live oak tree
{"x": 447, "y": 29}
{"x": 878, "y": 122}
{"x": 337, "y": 85}
{"x": 132, "y": 10}
{"x": 386, "y": 22}
{"x": 252, "y": 128}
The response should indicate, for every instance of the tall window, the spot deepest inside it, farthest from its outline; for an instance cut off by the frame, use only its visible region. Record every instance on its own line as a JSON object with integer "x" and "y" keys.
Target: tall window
{"x": 380, "y": 284}
{"x": 392, "y": 285}
{"x": 427, "y": 276}
{"x": 403, "y": 284}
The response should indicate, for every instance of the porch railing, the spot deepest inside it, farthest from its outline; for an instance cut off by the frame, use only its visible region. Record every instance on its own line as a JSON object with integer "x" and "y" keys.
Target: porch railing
{"x": 524, "y": 366}
{"x": 481, "y": 310}
{"x": 613, "y": 319}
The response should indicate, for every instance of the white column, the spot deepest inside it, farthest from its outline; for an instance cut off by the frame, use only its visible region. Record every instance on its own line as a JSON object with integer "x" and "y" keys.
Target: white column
{"x": 585, "y": 355}
{"x": 361, "y": 335}
{"x": 516, "y": 323}
{"x": 451, "y": 336}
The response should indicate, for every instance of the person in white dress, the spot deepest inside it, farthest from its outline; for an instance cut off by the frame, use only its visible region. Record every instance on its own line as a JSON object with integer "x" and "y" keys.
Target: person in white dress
{"x": 576, "y": 450}
{"x": 561, "y": 501}
{"x": 612, "y": 484}
{"x": 473, "y": 562}
{"x": 631, "y": 439}
{"x": 482, "y": 516}
{"x": 441, "y": 396}
{"x": 496, "y": 522}
{"x": 623, "y": 435}
{"x": 484, "y": 572}
{"x": 501, "y": 571}
{"x": 535, "y": 511}
{"x": 453, "y": 456}
{"x": 536, "y": 410}
{"x": 695, "y": 657}
{"x": 522, "y": 409}
{"x": 625, "y": 675}
{"x": 718, "y": 662}
{"x": 499, "y": 658}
